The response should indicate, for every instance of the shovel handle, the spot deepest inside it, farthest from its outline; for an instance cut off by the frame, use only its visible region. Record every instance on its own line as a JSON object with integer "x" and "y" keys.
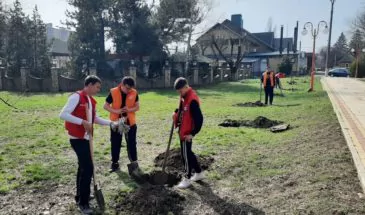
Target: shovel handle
{"x": 91, "y": 144}
{"x": 168, "y": 147}
{"x": 260, "y": 89}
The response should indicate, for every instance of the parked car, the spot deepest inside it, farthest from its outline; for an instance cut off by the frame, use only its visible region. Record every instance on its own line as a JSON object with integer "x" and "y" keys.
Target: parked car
{"x": 281, "y": 75}
{"x": 339, "y": 72}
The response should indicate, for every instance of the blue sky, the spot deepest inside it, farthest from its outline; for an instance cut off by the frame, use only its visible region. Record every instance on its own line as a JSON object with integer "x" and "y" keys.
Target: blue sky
{"x": 255, "y": 14}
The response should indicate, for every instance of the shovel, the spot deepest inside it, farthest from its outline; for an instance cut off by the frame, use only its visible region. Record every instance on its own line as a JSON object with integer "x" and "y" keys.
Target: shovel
{"x": 97, "y": 190}
{"x": 161, "y": 177}
{"x": 281, "y": 89}
{"x": 260, "y": 90}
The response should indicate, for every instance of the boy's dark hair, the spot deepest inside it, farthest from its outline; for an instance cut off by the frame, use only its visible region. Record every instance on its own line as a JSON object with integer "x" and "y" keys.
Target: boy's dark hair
{"x": 180, "y": 83}
{"x": 92, "y": 79}
{"x": 128, "y": 80}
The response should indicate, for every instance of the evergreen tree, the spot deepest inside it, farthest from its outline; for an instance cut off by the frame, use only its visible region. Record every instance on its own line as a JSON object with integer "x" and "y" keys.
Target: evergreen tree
{"x": 339, "y": 50}
{"x": 89, "y": 21}
{"x": 40, "y": 62}
{"x": 132, "y": 30}
{"x": 2, "y": 30}
{"x": 18, "y": 44}
{"x": 357, "y": 40}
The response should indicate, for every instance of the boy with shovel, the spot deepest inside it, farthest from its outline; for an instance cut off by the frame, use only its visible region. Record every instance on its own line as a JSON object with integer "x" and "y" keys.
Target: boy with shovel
{"x": 189, "y": 119}
{"x": 79, "y": 115}
{"x": 122, "y": 103}
{"x": 268, "y": 81}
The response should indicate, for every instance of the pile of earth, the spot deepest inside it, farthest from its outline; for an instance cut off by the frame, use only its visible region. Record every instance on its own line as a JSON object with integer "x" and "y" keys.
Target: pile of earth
{"x": 152, "y": 200}
{"x": 259, "y": 122}
{"x": 251, "y": 104}
{"x": 174, "y": 162}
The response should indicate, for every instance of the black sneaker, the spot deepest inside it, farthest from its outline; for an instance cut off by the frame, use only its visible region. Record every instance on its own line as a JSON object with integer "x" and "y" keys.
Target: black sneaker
{"x": 85, "y": 209}
{"x": 114, "y": 167}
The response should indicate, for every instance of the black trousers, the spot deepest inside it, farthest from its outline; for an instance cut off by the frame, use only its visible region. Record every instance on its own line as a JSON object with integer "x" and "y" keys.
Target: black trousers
{"x": 84, "y": 171}
{"x": 189, "y": 159}
{"x": 269, "y": 94}
{"x": 116, "y": 142}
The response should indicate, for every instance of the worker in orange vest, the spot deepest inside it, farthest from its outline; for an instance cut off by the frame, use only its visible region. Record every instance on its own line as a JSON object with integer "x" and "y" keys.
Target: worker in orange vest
{"x": 268, "y": 81}
{"x": 122, "y": 103}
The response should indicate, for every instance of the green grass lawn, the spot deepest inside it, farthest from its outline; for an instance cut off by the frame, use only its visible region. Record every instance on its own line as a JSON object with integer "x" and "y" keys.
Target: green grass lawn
{"x": 303, "y": 170}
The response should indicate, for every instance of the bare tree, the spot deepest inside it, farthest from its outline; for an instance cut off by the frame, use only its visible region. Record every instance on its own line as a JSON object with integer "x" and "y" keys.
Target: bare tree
{"x": 202, "y": 10}
{"x": 233, "y": 60}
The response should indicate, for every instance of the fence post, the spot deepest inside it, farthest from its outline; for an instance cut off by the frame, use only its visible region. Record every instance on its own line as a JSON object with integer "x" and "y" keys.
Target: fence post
{"x": 24, "y": 71}
{"x": 133, "y": 71}
{"x": 167, "y": 74}
{"x": 54, "y": 79}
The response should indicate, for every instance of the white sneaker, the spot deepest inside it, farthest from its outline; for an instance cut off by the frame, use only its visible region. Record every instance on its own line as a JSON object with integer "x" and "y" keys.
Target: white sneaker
{"x": 185, "y": 183}
{"x": 198, "y": 177}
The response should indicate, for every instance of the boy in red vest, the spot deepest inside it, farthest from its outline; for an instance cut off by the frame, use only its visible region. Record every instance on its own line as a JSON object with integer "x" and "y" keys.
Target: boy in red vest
{"x": 189, "y": 119}
{"x": 123, "y": 102}
{"x": 268, "y": 81}
{"x": 79, "y": 125}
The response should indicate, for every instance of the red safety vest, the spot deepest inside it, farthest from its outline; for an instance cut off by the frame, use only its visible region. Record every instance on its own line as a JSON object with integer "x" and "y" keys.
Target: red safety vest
{"x": 187, "y": 121}
{"x": 75, "y": 130}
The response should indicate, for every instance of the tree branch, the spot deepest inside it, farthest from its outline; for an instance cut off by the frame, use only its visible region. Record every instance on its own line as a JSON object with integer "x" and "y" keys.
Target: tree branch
{"x": 8, "y": 104}
{"x": 219, "y": 50}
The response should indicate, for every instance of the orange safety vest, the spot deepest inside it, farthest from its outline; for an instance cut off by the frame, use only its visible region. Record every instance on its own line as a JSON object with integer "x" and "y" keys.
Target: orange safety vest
{"x": 117, "y": 103}
{"x": 271, "y": 79}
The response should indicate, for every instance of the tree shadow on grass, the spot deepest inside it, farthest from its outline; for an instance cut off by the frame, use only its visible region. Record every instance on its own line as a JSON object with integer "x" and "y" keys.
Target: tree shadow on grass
{"x": 222, "y": 206}
{"x": 211, "y": 90}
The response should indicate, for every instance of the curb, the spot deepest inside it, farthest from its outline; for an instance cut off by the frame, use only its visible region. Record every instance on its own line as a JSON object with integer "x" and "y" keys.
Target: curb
{"x": 358, "y": 154}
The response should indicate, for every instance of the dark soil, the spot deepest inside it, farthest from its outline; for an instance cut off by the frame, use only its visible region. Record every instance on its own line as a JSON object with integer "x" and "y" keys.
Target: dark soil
{"x": 152, "y": 200}
{"x": 174, "y": 162}
{"x": 171, "y": 178}
{"x": 259, "y": 122}
{"x": 250, "y": 104}
{"x": 292, "y": 82}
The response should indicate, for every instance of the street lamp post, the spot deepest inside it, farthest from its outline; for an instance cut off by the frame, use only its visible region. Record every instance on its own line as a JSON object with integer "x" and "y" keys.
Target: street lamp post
{"x": 357, "y": 56}
{"x": 314, "y": 33}
{"x": 329, "y": 37}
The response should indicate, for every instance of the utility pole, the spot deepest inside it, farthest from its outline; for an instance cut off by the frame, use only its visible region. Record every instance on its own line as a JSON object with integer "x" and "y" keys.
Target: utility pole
{"x": 329, "y": 38}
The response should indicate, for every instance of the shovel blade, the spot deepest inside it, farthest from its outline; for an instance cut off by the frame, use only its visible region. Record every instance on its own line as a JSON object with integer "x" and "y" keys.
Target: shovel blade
{"x": 99, "y": 197}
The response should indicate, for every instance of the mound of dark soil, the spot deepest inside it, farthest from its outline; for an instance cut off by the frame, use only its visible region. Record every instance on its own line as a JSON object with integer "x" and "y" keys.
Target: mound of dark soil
{"x": 259, "y": 122}
{"x": 251, "y": 104}
{"x": 153, "y": 200}
{"x": 174, "y": 162}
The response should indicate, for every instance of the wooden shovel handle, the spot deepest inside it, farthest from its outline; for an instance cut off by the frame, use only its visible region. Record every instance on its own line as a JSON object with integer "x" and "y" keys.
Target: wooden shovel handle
{"x": 168, "y": 147}
{"x": 91, "y": 145}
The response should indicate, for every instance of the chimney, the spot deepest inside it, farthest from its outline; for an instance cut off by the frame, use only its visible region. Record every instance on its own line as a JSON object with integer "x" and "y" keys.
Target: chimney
{"x": 281, "y": 39}
{"x": 295, "y": 49}
{"x": 237, "y": 20}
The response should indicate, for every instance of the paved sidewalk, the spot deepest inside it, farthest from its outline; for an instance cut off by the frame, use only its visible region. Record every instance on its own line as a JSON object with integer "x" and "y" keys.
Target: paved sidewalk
{"x": 348, "y": 99}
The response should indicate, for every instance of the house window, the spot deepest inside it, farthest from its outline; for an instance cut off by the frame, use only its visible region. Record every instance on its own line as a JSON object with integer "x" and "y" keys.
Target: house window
{"x": 347, "y": 65}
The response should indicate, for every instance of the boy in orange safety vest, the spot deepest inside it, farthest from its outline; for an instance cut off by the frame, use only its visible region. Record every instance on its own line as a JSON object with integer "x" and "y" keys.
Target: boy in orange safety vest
{"x": 123, "y": 102}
